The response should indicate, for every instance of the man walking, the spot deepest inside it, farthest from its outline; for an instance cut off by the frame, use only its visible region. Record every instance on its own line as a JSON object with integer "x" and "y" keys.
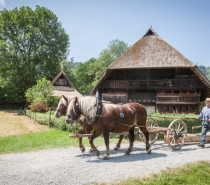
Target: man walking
{"x": 205, "y": 115}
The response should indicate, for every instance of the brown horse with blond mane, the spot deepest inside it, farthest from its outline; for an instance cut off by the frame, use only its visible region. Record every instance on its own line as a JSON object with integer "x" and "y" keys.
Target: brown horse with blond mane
{"x": 86, "y": 128}
{"x": 112, "y": 118}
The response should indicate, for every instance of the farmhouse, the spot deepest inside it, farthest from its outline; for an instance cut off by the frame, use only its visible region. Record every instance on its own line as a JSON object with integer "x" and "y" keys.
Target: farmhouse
{"x": 156, "y": 75}
{"x": 63, "y": 86}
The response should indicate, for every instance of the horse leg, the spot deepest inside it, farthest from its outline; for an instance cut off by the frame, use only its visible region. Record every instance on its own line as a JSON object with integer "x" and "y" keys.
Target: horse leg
{"x": 131, "y": 140}
{"x": 94, "y": 135}
{"x": 88, "y": 128}
{"x": 106, "y": 140}
{"x": 81, "y": 146}
{"x": 119, "y": 142}
{"x": 146, "y": 134}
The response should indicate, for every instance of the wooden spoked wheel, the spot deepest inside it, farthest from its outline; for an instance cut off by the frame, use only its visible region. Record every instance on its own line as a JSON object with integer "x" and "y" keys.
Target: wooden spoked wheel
{"x": 153, "y": 136}
{"x": 176, "y": 134}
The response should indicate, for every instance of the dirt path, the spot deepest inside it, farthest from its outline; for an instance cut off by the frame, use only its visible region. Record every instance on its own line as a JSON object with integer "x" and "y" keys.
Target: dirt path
{"x": 12, "y": 123}
{"x": 69, "y": 166}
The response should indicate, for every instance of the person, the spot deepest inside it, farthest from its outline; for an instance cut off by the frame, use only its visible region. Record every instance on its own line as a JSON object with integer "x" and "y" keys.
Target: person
{"x": 205, "y": 115}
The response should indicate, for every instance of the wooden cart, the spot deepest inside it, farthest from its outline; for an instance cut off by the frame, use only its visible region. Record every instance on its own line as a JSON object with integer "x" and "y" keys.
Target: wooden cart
{"x": 175, "y": 134}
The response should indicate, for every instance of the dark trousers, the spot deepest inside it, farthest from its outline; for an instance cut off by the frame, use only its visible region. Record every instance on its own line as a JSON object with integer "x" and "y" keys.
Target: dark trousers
{"x": 205, "y": 128}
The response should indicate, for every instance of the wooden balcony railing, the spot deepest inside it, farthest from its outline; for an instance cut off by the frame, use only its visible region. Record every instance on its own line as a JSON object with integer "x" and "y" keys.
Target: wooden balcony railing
{"x": 149, "y": 84}
{"x": 178, "y": 99}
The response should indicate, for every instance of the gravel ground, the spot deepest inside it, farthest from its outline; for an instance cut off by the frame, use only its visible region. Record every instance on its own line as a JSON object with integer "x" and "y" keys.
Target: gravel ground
{"x": 69, "y": 166}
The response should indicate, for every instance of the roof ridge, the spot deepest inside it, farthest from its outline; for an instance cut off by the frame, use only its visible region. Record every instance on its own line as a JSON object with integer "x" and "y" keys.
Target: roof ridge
{"x": 150, "y": 32}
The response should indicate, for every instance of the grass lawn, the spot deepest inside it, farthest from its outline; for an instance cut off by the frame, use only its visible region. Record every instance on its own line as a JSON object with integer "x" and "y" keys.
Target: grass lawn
{"x": 192, "y": 173}
{"x": 43, "y": 140}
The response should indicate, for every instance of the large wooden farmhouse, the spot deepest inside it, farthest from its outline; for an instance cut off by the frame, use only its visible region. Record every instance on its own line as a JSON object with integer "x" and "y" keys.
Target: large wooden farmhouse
{"x": 156, "y": 75}
{"x": 63, "y": 86}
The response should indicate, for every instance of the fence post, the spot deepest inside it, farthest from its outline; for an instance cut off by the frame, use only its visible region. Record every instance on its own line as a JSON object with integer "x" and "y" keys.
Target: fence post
{"x": 50, "y": 119}
{"x": 34, "y": 118}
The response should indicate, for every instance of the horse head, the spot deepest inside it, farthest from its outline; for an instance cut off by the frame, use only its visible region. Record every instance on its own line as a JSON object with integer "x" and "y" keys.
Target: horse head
{"x": 62, "y": 107}
{"x": 73, "y": 111}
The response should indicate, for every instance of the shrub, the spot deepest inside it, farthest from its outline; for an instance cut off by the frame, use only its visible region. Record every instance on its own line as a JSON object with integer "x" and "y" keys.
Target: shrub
{"x": 42, "y": 91}
{"x": 39, "y": 106}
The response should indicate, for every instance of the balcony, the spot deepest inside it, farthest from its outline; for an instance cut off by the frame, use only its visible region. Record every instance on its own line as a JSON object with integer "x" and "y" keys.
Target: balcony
{"x": 151, "y": 84}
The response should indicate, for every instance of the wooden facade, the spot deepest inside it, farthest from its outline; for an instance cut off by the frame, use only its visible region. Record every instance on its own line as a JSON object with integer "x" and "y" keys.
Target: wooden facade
{"x": 156, "y": 84}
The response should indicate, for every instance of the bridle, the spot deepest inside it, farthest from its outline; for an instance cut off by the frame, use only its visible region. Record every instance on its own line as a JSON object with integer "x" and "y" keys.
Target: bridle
{"x": 76, "y": 111}
{"x": 64, "y": 107}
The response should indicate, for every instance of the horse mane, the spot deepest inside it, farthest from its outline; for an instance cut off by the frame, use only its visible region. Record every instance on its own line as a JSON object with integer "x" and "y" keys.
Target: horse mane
{"x": 88, "y": 106}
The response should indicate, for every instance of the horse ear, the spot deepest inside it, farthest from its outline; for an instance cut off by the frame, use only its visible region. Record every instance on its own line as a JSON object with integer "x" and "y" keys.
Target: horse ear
{"x": 64, "y": 98}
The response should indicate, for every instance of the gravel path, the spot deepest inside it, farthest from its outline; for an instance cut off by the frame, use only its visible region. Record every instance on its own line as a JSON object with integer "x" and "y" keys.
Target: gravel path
{"x": 69, "y": 166}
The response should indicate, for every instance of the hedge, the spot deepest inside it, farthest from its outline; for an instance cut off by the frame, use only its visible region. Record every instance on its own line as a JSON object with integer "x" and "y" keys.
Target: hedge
{"x": 163, "y": 120}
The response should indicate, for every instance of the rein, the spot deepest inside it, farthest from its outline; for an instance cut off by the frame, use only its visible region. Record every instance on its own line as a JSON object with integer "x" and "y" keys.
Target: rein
{"x": 117, "y": 122}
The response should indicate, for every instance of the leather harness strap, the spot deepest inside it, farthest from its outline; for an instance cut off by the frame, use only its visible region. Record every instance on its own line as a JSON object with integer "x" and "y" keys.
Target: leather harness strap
{"x": 117, "y": 122}
{"x": 99, "y": 110}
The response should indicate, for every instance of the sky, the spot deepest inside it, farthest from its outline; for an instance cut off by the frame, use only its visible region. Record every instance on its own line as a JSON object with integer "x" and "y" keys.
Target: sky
{"x": 92, "y": 24}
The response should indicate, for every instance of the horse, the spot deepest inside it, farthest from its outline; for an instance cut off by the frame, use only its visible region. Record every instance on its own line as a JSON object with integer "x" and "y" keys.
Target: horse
{"x": 113, "y": 118}
{"x": 86, "y": 128}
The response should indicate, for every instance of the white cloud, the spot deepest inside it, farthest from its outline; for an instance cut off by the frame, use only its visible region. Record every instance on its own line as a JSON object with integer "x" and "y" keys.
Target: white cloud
{"x": 2, "y": 3}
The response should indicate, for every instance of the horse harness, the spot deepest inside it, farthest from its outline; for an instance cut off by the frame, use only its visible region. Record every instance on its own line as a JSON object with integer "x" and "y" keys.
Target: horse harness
{"x": 99, "y": 106}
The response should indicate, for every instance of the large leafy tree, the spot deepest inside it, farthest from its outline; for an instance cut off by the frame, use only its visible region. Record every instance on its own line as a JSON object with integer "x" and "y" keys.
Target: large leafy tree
{"x": 88, "y": 73}
{"x": 32, "y": 46}
{"x": 84, "y": 77}
{"x": 114, "y": 50}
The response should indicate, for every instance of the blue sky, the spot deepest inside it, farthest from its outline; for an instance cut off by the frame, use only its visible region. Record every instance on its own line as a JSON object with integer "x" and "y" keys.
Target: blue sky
{"x": 92, "y": 24}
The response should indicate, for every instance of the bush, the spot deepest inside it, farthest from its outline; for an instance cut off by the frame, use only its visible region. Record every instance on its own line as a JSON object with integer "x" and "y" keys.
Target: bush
{"x": 39, "y": 107}
{"x": 43, "y": 118}
{"x": 55, "y": 101}
{"x": 42, "y": 91}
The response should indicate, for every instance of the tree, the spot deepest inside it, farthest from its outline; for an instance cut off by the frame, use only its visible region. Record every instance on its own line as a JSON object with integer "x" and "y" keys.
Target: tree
{"x": 208, "y": 72}
{"x": 205, "y": 70}
{"x": 84, "y": 78}
{"x": 32, "y": 45}
{"x": 115, "y": 49}
{"x": 87, "y": 74}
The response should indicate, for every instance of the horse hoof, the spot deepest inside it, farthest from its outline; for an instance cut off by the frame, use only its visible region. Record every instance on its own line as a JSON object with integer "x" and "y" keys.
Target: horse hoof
{"x": 127, "y": 152}
{"x": 105, "y": 157}
{"x": 116, "y": 148}
{"x": 82, "y": 150}
{"x": 90, "y": 151}
{"x": 149, "y": 151}
{"x": 97, "y": 153}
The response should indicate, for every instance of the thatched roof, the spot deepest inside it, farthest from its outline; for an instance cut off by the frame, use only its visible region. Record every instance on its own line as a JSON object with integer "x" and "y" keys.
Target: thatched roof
{"x": 152, "y": 52}
{"x": 64, "y": 87}
{"x": 66, "y": 93}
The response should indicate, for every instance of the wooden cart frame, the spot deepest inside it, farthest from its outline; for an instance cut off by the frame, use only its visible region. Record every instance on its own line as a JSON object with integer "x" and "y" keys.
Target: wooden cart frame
{"x": 175, "y": 134}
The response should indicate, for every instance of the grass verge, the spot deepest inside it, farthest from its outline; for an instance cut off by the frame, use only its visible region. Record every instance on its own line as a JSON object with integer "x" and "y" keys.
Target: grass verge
{"x": 192, "y": 173}
{"x": 43, "y": 140}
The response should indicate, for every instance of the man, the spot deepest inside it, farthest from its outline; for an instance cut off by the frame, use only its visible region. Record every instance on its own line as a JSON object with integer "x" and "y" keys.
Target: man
{"x": 205, "y": 114}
